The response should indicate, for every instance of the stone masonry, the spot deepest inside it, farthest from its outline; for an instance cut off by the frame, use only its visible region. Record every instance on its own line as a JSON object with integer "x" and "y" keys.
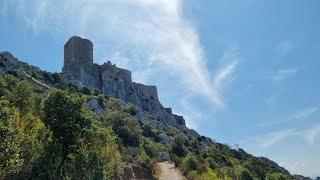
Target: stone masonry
{"x": 80, "y": 70}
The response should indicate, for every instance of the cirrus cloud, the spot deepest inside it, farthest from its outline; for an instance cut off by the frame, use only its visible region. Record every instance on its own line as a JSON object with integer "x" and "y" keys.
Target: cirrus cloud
{"x": 152, "y": 36}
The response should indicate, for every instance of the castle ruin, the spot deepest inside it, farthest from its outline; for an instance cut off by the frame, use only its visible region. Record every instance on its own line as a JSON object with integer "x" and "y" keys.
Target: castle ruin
{"x": 80, "y": 70}
{"x": 78, "y": 50}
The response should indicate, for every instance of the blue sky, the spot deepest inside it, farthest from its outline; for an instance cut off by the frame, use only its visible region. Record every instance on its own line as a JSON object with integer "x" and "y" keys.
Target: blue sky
{"x": 241, "y": 72}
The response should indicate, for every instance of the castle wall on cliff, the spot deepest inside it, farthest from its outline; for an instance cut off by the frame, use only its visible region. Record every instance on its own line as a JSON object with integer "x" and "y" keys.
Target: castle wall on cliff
{"x": 80, "y": 70}
{"x": 78, "y": 50}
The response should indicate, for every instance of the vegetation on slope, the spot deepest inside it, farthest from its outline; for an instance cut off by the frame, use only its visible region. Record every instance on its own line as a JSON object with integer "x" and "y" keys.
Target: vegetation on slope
{"x": 51, "y": 134}
{"x": 55, "y": 136}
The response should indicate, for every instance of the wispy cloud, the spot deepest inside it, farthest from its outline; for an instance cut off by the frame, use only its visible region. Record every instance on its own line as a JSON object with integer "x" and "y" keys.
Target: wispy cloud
{"x": 224, "y": 74}
{"x": 190, "y": 113}
{"x": 153, "y": 34}
{"x": 4, "y": 7}
{"x": 302, "y": 114}
{"x": 272, "y": 138}
{"x": 282, "y": 74}
{"x": 285, "y": 47}
{"x": 312, "y": 134}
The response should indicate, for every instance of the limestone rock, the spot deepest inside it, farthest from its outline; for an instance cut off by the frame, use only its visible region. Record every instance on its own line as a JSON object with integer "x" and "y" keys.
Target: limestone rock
{"x": 80, "y": 70}
{"x": 94, "y": 106}
{"x": 165, "y": 139}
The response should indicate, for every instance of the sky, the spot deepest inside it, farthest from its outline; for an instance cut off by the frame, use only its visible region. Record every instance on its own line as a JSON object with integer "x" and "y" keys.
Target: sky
{"x": 243, "y": 72}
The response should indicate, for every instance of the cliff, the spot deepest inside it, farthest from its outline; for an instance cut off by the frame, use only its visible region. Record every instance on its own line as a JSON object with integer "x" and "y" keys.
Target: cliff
{"x": 80, "y": 70}
{"x": 158, "y": 141}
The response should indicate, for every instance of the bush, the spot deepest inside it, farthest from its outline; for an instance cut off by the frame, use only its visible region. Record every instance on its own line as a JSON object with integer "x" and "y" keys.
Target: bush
{"x": 126, "y": 127}
{"x": 55, "y": 78}
{"x": 178, "y": 148}
{"x": 131, "y": 110}
{"x": 79, "y": 148}
{"x": 14, "y": 73}
{"x": 276, "y": 176}
{"x": 211, "y": 163}
{"x": 11, "y": 138}
{"x": 144, "y": 160}
{"x": 151, "y": 148}
{"x": 244, "y": 175}
{"x": 148, "y": 131}
{"x": 190, "y": 163}
{"x": 23, "y": 97}
{"x": 86, "y": 90}
{"x": 66, "y": 117}
{"x": 22, "y": 138}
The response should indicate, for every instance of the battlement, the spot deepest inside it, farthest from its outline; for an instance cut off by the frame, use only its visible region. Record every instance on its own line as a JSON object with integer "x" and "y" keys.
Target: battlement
{"x": 78, "y": 51}
{"x": 146, "y": 92}
{"x": 123, "y": 74}
{"x": 111, "y": 80}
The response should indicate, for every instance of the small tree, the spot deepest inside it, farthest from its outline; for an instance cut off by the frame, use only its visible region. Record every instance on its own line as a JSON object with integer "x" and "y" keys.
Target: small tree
{"x": 65, "y": 115}
{"x": 126, "y": 127}
{"x": 190, "y": 163}
{"x": 23, "y": 97}
{"x": 86, "y": 90}
{"x": 178, "y": 147}
{"x": 244, "y": 175}
{"x": 11, "y": 138}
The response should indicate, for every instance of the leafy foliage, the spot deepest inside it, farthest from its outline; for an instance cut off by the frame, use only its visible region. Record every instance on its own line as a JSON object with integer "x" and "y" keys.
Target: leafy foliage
{"x": 52, "y": 135}
{"x": 127, "y": 128}
{"x": 178, "y": 147}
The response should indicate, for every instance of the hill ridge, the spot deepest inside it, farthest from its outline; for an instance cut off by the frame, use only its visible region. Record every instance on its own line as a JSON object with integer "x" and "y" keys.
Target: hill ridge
{"x": 201, "y": 147}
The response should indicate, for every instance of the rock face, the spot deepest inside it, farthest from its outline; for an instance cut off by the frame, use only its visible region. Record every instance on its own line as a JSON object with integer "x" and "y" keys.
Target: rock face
{"x": 80, "y": 70}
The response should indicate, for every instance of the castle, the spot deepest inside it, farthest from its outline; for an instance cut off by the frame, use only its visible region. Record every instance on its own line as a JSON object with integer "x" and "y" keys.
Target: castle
{"x": 80, "y": 70}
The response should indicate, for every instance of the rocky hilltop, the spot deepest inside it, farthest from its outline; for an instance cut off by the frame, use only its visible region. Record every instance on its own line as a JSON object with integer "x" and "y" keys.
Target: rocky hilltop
{"x": 80, "y": 70}
{"x": 121, "y": 104}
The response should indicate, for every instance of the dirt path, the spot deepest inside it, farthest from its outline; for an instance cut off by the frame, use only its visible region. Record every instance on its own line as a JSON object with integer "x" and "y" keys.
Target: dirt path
{"x": 167, "y": 171}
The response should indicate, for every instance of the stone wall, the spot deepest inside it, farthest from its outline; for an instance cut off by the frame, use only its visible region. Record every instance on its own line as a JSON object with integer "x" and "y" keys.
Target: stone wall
{"x": 146, "y": 92}
{"x": 80, "y": 70}
{"x": 78, "y": 50}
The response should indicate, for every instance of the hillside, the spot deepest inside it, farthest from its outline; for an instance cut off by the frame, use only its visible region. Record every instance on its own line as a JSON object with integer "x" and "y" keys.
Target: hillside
{"x": 52, "y": 129}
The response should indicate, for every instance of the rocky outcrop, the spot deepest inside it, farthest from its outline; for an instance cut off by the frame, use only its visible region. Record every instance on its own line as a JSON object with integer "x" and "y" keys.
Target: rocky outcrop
{"x": 275, "y": 165}
{"x": 134, "y": 171}
{"x": 299, "y": 177}
{"x": 80, "y": 70}
{"x": 94, "y": 106}
{"x": 11, "y": 65}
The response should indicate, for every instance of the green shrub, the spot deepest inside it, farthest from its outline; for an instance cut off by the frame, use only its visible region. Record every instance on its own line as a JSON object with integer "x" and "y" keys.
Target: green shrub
{"x": 79, "y": 148}
{"x": 11, "y": 138}
{"x": 126, "y": 127}
{"x": 86, "y": 90}
{"x": 148, "y": 131}
{"x": 22, "y": 140}
{"x": 177, "y": 147}
{"x": 190, "y": 163}
{"x": 276, "y": 176}
{"x": 211, "y": 163}
{"x": 55, "y": 78}
{"x": 244, "y": 175}
{"x": 151, "y": 148}
{"x": 22, "y": 97}
{"x": 65, "y": 115}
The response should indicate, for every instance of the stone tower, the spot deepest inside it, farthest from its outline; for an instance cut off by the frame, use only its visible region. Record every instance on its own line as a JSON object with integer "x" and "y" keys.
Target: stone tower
{"x": 80, "y": 70}
{"x": 78, "y": 65}
{"x": 78, "y": 52}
